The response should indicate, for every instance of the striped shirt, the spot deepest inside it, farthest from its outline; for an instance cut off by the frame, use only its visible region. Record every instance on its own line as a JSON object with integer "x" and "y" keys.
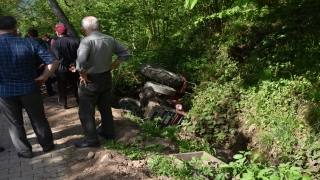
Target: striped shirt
{"x": 18, "y": 60}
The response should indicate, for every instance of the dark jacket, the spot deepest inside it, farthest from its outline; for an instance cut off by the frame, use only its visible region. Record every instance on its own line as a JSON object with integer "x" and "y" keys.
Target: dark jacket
{"x": 42, "y": 43}
{"x": 65, "y": 49}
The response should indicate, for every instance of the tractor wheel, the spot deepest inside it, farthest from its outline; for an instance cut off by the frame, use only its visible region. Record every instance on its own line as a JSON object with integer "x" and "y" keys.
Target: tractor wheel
{"x": 160, "y": 88}
{"x": 162, "y": 76}
{"x": 131, "y": 105}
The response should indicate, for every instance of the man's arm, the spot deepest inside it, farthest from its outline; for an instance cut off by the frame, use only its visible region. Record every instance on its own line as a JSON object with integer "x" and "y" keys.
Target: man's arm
{"x": 51, "y": 44}
{"x": 81, "y": 62}
{"x": 83, "y": 54}
{"x": 48, "y": 71}
{"x": 123, "y": 53}
{"x": 115, "y": 64}
{"x": 84, "y": 78}
{"x": 56, "y": 52}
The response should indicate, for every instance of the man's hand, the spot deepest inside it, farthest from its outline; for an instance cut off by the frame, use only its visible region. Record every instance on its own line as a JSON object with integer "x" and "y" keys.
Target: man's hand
{"x": 41, "y": 66}
{"x": 72, "y": 68}
{"x": 84, "y": 78}
{"x": 41, "y": 79}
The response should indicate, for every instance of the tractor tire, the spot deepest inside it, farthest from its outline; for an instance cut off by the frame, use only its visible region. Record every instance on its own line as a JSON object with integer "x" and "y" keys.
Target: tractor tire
{"x": 160, "y": 88}
{"x": 162, "y": 76}
{"x": 131, "y": 105}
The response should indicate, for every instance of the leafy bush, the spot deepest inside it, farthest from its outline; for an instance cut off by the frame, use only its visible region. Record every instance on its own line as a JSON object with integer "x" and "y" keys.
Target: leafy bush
{"x": 274, "y": 117}
{"x": 250, "y": 169}
{"x": 214, "y": 113}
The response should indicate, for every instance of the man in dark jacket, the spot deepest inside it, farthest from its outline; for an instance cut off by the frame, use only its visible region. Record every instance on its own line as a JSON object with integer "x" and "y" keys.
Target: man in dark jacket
{"x": 65, "y": 49}
{"x": 33, "y": 34}
{"x": 47, "y": 39}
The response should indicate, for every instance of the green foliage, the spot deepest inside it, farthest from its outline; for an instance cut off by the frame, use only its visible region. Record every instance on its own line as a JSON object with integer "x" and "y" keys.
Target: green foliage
{"x": 133, "y": 151}
{"x": 215, "y": 116}
{"x": 186, "y": 145}
{"x": 312, "y": 114}
{"x": 249, "y": 169}
{"x": 164, "y": 166}
{"x": 152, "y": 129}
{"x": 193, "y": 169}
{"x": 271, "y": 108}
{"x": 243, "y": 167}
{"x": 190, "y": 3}
{"x": 35, "y": 14}
{"x": 7, "y": 7}
{"x": 276, "y": 64}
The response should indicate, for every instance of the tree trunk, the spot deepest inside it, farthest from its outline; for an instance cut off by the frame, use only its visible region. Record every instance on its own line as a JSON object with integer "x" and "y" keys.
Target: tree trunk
{"x": 57, "y": 11}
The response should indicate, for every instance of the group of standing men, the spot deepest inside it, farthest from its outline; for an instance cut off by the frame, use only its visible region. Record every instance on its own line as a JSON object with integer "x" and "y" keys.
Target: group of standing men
{"x": 65, "y": 50}
{"x": 90, "y": 64}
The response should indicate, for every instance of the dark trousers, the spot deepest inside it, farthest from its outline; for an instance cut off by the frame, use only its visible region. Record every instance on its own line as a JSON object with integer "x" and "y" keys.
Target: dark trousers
{"x": 62, "y": 80}
{"x": 12, "y": 112}
{"x": 48, "y": 83}
{"x": 97, "y": 93}
{"x": 49, "y": 88}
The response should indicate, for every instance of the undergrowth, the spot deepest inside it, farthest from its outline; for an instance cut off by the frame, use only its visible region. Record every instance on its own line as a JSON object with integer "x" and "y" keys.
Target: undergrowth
{"x": 245, "y": 164}
{"x": 259, "y": 79}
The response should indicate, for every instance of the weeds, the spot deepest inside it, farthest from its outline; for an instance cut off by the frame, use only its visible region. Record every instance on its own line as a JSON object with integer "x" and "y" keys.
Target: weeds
{"x": 133, "y": 151}
{"x": 246, "y": 164}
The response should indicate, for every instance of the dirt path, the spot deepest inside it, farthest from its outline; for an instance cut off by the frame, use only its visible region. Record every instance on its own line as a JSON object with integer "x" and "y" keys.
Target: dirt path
{"x": 96, "y": 163}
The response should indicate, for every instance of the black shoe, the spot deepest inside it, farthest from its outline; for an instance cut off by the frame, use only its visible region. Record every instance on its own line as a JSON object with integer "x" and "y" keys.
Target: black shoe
{"x": 99, "y": 131}
{"x": 1, "y": 149}
{"x": 62, "y": 106}
{"x": 49, "y": 149}
{"x": 108, "y": 137}
{"x": 53, "y": 93}
{"x": 69, "y": 88}
{"x": 25, "y": 156}
{"x": 86, "y": 144}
